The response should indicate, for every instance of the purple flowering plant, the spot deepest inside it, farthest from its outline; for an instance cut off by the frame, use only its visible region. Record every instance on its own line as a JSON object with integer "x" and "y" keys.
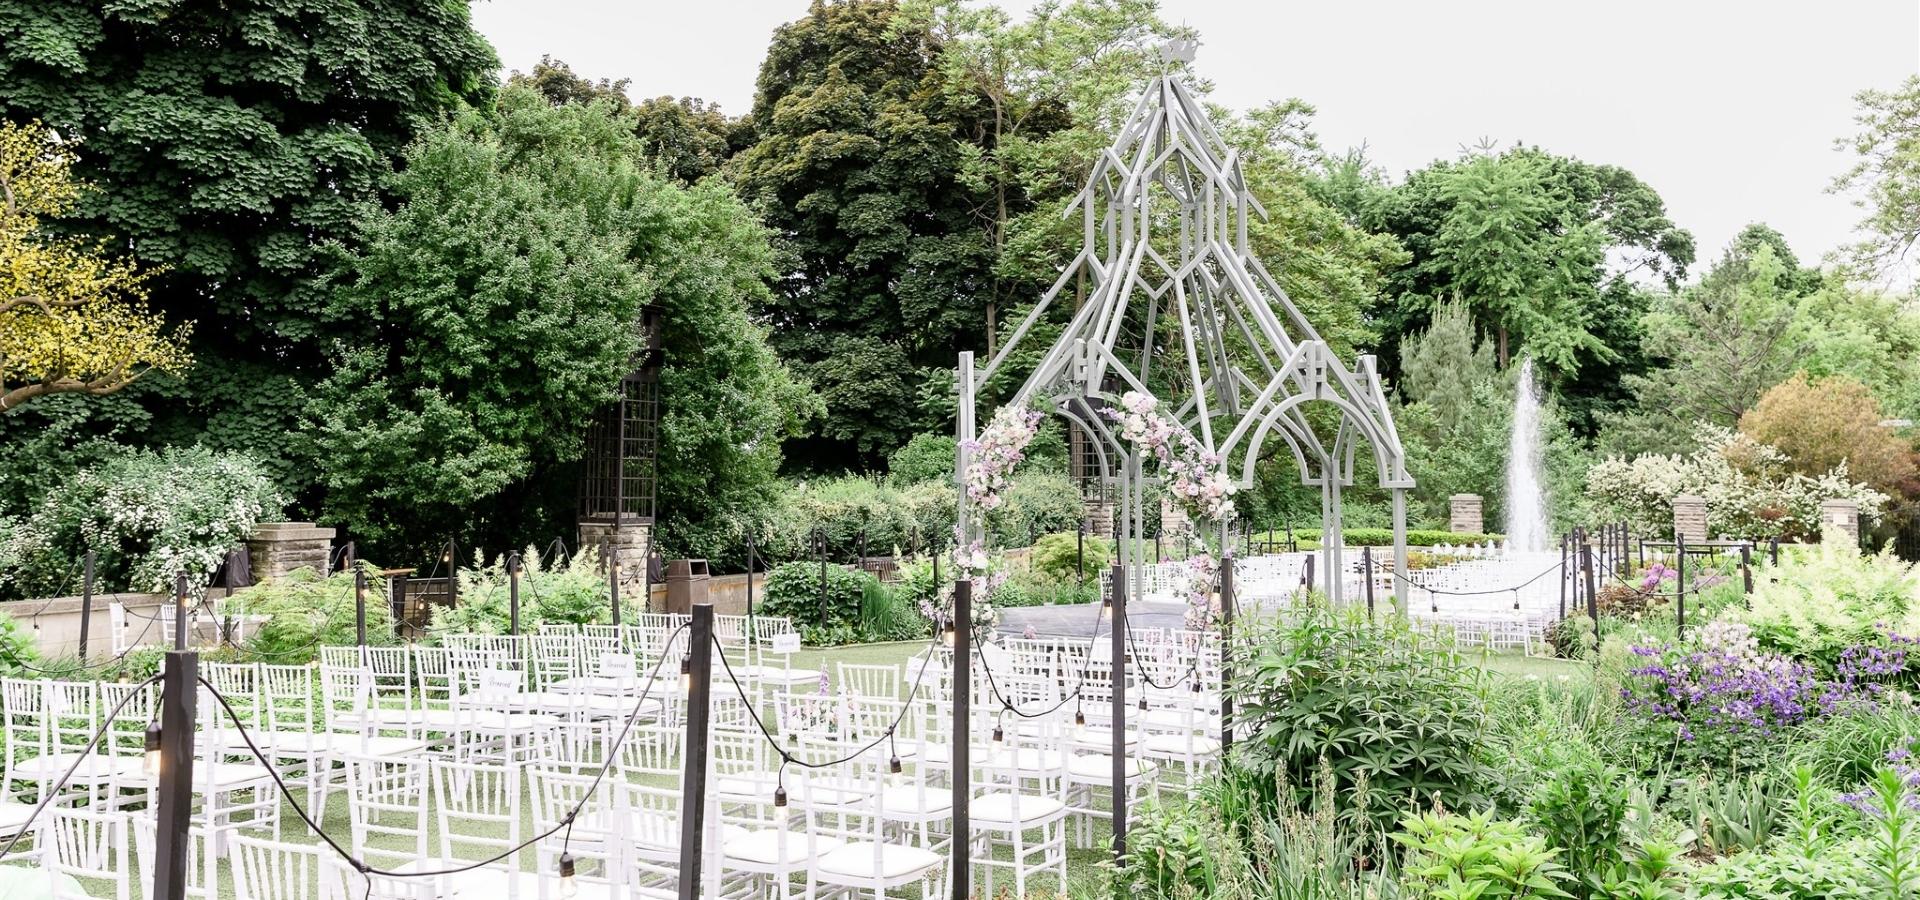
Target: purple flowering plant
{"x": 1720, "y": 698}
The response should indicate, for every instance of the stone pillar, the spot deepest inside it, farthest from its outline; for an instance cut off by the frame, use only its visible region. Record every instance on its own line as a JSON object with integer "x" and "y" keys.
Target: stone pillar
{"x": 1173, "y": 519}
{"x": 1465, "y": 514}
{"x": 1690, "y": 518}
{"x": 1098, "y": 513}
{"x": 277, "y": 548}
{"x": 1840, "y": 515}
{"x": 632, "y": 543}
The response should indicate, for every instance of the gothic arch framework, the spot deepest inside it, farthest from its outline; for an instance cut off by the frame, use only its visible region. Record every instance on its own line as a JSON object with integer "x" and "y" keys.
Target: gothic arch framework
{"x": 1176, "y": 305}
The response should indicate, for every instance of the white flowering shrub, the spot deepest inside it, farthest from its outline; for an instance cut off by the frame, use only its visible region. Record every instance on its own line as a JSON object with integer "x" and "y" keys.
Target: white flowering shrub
{"x": 147, "y": 515}
{"x": 1748, "y": 489}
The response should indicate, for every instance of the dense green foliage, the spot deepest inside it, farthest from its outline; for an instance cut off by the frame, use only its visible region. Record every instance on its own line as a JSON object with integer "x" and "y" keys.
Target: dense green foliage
{"x": 148, "y": 517}
{"x": 573, "y": 591}
{"x": 853, "y": 164}
{"x": 231, "y": 142}
{"x": 306, "y": 612}
{"x": 509, "y": 285}
{"x": 854, "y": 606}
{"x": 1394, "y": 713}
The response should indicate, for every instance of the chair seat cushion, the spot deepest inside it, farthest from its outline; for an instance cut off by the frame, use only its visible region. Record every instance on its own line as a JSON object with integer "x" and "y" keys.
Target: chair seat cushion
{"x": 1181, "y": 745}
{"x": 94, "y": 768}
{"x": 776, "y": 847}
{"x": 14, "y": 816}
{"x": 908, "y": 799}
{"x": 779, "y": 675}
{"x": 1097, "y": 768}
{"x": 998, "y": 809}
{"x": 865, "y": 860}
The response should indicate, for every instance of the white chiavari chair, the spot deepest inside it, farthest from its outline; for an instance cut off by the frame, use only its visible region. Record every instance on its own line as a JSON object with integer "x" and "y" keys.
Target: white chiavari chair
{"x": 274, "y": 870}
{"x": 91, "y": 846}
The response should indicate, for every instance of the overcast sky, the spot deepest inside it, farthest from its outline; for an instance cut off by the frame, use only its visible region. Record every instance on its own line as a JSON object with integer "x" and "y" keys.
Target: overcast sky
{"x": 1729, "y": 110}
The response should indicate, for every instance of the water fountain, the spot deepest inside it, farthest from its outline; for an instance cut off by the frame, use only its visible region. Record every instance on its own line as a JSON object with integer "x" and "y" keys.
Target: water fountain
{"x": 1526, "y": 506}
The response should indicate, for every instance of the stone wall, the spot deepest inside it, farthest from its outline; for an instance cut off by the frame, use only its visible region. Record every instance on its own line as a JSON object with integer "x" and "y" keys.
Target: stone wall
{"x": 1465, "y": 514}
{"x": 277, "y": 548}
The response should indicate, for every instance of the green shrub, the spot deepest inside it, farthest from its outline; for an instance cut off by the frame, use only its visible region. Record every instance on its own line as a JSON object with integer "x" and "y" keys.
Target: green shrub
{"x": 1037, "y": 503}
{"x": 1581, "y": 807}
{"x": 17, "y": 649}
{"x": 925, "y": 457}
{"x": 1818, "y": 602}
{"x": 573, "y": 592}
{"x": 793, "y": 591}
{"x": 148, "y": 516}
{"x": 1060, "y": 555}
{"x": 1383, "y": 537}
{"x": 1477, "y": 856}
{"x": 305, "y": 612}
{"x": 1395, "y": 712}
{"x": 852, "y": 509}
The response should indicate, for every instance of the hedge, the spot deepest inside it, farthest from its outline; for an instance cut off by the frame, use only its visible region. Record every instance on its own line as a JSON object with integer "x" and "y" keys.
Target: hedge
{"x": 1383, "y": 537}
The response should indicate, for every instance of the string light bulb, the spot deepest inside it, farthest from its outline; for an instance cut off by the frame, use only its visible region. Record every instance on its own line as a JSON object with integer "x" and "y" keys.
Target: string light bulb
{"x": 569, "y": 887}
{"x": 946, "y": 634}
{"x": 152, "y": 764}
{"x": 1143, "y": 701}
{"x": 1079, "y": 725}
{"x": 1194, "y": 681}
{"x": 686, "y": 675}
{"x": 1106, "y": 606}
{"x": 893, "y": 765}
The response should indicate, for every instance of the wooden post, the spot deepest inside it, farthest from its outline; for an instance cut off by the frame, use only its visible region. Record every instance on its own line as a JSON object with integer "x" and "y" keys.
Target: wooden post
{"x": 1593, "y": 594}
{"x": 180, "y": 612}
{"x": 1310, "y": 580}
{"x": 1773, "y": 551}
{"x": 513, "y": 595}
{"x": 753, "y": 635}
{"x": 1080, "y": 552}
{"x": 613, "y": 578}
{"x": 1680, "y": 584}
{"x": 179, "y": 686}
{"x": 1119, "y": 723}
{"x": 86, "y": 602}
{"x": 1366, "y": 566}
{"x": 1226, "y": 651}
{"x": 1563, "y": 576}
{"x": 453, "y": 573}
{"x": 693, "y": 778}
{"x": 960, "y": 866}
{"x": 359, "y": 606}
{"x": 1746, "y": 569}
{"x": 820, "y": 536}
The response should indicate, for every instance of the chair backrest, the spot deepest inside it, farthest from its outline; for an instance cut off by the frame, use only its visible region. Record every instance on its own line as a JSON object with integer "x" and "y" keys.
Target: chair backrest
{"x": 435, "y": 668}
{"x": 89, "y": 845}
{"x": 117, "y": 627}
{"x": 126, "y": 722}
{"x": 73, "y": 714}
{"x": 25, "y": 701}
{"x": 870, "y": 681}
{"x": 274, "y": 870}
{"x": 649, "y": 751}
{"x": 288, "y": 693}
{"x": 201, "y": 865}
{"x": 387, "y": 800}
{"x": 478, "y": 805}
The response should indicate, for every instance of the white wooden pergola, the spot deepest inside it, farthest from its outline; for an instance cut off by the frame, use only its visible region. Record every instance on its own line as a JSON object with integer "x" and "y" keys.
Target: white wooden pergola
{"x": 1177, "y": 306}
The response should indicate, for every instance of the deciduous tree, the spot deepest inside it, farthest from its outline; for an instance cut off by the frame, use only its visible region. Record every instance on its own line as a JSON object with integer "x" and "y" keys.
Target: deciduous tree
{"x": 1821, "y": 423}
{"x": 73, "y": 319}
